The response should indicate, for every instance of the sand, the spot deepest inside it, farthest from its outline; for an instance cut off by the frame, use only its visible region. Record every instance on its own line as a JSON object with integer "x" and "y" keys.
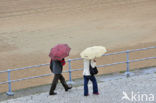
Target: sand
{"x": 30, "y": 28}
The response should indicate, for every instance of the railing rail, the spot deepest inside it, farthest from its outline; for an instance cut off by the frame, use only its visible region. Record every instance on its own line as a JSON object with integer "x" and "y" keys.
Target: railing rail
{"x": 70, "y": 70}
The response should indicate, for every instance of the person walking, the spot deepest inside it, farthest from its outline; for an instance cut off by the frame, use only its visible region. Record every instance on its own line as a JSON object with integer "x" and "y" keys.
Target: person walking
{"x": 87, "y": 76}
{"x": 89, "y": 54}
{"x": 56, "y": 66}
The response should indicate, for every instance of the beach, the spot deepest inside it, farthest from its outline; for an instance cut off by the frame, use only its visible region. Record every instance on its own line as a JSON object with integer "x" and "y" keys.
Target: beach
{"x": 30, "y": 28}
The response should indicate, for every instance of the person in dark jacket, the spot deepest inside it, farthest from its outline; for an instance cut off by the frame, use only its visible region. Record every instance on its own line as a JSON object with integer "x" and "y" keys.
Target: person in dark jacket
{"x": 56, "y": 67}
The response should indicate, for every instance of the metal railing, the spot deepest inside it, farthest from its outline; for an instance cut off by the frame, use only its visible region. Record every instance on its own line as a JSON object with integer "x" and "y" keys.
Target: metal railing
{"x": 127, "y": 73}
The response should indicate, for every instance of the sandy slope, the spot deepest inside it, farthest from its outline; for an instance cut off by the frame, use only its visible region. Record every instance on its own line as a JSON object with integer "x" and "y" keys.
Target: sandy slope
{"x": 34, "y": 26}
{"x": 29, "y": 28}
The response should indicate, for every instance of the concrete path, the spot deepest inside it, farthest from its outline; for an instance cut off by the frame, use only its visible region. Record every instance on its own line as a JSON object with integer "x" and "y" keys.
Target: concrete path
{"x": 138, "y": 88}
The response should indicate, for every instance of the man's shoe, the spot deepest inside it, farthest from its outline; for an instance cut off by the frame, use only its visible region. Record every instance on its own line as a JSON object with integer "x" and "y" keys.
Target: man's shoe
{"x": 86, "y": 95}
{"x": 68, "y": 88}
{"x": 52, "y": 93}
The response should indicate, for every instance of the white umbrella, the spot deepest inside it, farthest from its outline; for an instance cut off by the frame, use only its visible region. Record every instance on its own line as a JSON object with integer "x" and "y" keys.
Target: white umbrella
{"x": 93, "y": 52}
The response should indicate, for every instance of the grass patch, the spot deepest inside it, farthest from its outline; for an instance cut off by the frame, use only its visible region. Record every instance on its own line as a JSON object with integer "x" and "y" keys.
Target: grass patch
{"x": 123, "y": 71}
{"x": 142, "y": 68}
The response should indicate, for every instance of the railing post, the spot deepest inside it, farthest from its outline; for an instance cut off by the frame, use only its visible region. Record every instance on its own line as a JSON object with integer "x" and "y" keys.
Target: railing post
{"x": 70, "y": 76}
{"x": 9, "y": 93}
{"x": 127, "y": 73}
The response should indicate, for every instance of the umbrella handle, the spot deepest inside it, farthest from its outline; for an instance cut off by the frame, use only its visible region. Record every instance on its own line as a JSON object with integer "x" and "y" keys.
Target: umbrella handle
{"x": 94, "y": 60}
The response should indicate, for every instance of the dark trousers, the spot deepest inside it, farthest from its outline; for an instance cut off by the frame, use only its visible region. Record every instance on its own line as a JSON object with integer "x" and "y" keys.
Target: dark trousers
{"x": 55, "y": 81}
{"x": 94, "y": 82}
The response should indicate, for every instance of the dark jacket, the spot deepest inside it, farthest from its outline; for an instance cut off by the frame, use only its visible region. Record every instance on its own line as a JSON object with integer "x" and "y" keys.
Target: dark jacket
{"x": 56, "y": 66}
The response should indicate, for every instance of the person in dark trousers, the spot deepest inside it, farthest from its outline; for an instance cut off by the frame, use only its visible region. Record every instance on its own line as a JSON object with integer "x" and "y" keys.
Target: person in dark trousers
{"x": 87, "y": 76}
{"x": 56, "y": 67}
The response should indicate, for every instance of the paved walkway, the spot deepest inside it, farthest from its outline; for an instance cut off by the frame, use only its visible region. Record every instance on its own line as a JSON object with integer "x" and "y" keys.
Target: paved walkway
{"x": 139, "y": 89}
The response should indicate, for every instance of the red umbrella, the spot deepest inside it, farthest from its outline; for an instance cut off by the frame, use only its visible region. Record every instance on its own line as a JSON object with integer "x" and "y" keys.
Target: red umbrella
{"x": 59, "y": 52}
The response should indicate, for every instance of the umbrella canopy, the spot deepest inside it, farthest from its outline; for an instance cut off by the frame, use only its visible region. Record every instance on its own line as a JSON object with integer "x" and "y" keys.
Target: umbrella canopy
{"x": 93, "y": 52}
{"x": 59, "y": 52}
